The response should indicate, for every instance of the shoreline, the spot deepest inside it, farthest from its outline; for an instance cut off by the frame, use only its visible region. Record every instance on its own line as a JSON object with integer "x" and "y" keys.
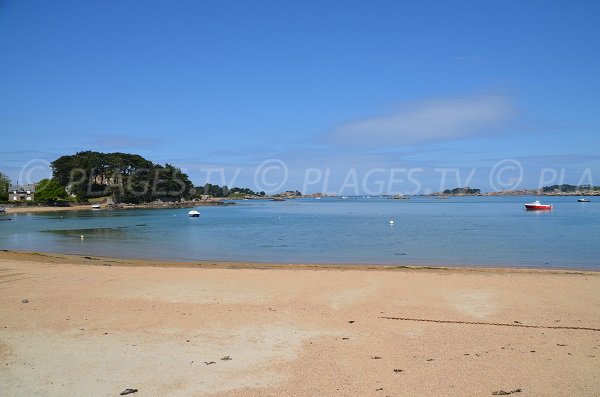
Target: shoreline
{"x": 25, "y": 209}
{"x": 88, "y": 207}
{"x": 231, "y": 201}
{"x": 81, "y": 259}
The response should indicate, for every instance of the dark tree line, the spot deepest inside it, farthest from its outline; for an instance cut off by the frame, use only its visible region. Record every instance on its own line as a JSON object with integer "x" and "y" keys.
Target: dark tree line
{"x": 462, "y": 190}
{"x": 223, "y": 191}
{"x": 4, "y": 186}
{"x": 566, "y": 188}
{"x": 126, "y": 177}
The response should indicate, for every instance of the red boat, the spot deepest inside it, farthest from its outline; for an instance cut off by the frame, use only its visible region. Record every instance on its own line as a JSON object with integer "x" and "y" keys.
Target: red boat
{"x": 537, "y": 206}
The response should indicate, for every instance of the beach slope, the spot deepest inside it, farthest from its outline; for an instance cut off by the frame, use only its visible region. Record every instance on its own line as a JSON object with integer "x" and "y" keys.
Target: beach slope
{"x": 96, "y": 327}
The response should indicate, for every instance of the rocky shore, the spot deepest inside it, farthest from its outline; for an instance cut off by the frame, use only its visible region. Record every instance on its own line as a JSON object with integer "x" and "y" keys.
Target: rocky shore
{"x": 174, "y": 204}
{"x": 88, "y": 206}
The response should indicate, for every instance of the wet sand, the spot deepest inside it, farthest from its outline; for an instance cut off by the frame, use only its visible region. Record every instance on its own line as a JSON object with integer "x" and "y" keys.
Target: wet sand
{"x": 97, "y": 326}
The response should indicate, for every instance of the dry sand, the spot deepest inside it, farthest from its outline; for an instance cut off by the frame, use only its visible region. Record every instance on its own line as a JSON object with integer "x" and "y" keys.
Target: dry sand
{"x": 95, "y": 327}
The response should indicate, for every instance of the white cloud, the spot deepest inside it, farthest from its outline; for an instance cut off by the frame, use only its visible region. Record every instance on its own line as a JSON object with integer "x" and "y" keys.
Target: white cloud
{"x": 427, "y": 121}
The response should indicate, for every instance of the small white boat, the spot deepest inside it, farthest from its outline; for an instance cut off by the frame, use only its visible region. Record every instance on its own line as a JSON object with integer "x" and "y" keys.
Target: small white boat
{"x": 194, "y": 214}
{"x": 537, "y": 206}
{"x": 96, "y": 206}
{"x": 583, "y": 200}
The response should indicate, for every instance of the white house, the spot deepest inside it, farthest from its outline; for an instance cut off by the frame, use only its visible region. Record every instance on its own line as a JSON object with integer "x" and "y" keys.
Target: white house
{"x": 21, "y": 193}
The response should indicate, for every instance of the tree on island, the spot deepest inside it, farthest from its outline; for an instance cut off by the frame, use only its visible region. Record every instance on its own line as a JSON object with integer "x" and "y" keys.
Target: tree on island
{"x": 289, "y": 194}
{"x": 566, "y": 188}
{"x": 128, "y": 178}
{"x": 217, "y": 191}
{"x": 462, "y": 191}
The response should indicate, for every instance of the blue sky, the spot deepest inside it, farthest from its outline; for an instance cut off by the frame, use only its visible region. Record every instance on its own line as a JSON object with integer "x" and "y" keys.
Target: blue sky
{"x": 337, "y": 88}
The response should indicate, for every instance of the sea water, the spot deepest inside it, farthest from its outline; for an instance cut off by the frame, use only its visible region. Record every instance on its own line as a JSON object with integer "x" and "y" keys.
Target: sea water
{"x": 473, "y": 231}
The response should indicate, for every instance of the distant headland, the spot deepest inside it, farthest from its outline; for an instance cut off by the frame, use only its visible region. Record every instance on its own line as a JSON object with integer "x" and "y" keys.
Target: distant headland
{"x": 553, "y": 190}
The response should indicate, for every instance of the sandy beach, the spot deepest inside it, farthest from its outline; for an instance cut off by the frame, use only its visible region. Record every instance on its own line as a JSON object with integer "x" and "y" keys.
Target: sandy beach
{"x": 16, "y": 210}
{"x": 96, "y": 326}
{"x": 43, "y": 208}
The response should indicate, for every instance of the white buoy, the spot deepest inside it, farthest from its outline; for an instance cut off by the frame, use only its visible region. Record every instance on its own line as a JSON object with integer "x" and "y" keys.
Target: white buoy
{"x": 391, "y": 221}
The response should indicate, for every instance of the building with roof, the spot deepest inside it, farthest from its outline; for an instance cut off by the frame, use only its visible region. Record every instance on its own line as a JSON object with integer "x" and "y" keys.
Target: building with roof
{"x": 21, "y": 193}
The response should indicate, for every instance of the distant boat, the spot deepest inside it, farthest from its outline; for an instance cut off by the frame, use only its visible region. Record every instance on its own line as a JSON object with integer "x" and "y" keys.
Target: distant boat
{"x": 583, "y": 200}
{"x": 537, "y": 206}
{"x": 2, "y": 210}
{"x": 96, "y": 206}
{"x": 194, "y": 214}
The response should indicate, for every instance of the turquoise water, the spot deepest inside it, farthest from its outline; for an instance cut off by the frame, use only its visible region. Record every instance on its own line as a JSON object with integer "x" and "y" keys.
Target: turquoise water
{"x": 476, "y": 231}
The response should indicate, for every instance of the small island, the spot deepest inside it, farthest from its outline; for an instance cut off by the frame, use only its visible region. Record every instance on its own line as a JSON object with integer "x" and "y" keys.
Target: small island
{"x": 460, "y": 191}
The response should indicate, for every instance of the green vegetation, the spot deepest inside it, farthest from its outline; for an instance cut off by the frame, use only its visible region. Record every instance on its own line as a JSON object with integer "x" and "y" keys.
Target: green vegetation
{"x": 462, "y": 190}
{"x": 566, "y": 188}
{"x": 218, "y": 191}
{"x": 127, "y": 178}
{"x": 241, "y": 192}
{"x": 4, "y": 186}
{"x": 49, "y": 190}
{"x": 98, "y": 200}
{"x": 289, "y": 194}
